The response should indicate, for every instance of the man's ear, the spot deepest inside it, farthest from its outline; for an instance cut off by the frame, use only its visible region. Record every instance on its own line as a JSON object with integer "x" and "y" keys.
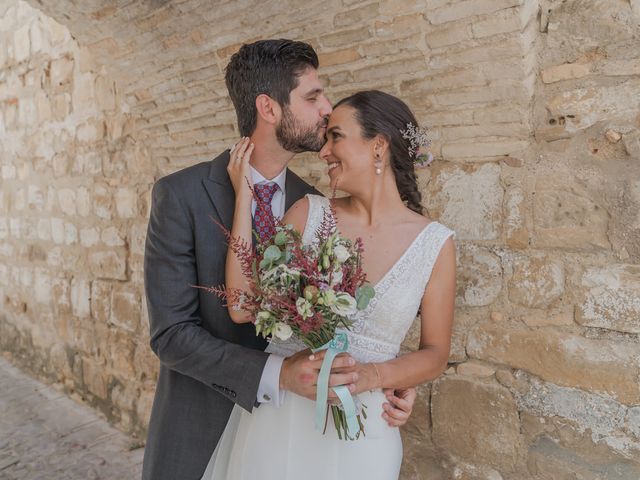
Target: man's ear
{"x": 268, "y": 109}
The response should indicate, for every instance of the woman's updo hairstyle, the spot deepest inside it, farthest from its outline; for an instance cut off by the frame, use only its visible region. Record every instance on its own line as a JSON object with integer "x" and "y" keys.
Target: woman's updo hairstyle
{"x": 379, "y": 113}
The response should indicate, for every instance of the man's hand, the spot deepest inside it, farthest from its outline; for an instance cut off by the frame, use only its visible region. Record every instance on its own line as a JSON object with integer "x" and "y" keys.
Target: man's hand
{"x": 299, "y": 373}
{"x": 399, "y": 406}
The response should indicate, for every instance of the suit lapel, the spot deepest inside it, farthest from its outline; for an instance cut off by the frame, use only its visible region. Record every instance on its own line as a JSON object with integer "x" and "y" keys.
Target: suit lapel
{"x": 220, "y": 190}
{"x": 296, "y": 188}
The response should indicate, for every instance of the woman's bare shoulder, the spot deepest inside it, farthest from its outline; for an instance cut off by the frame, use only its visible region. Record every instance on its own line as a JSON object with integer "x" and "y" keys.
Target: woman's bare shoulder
{"x": 297, "y": 214}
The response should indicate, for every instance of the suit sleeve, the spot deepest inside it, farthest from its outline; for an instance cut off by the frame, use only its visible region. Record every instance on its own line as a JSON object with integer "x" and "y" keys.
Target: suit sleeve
{"x": 177, "y": 335}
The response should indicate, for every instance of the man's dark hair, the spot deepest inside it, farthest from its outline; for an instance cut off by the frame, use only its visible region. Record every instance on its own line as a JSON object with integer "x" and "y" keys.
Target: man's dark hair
{"x": 271, "y": 67}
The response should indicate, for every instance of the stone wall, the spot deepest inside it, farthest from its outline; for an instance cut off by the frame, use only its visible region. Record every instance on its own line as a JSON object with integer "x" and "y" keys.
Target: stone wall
{"x": 533, "y": 108}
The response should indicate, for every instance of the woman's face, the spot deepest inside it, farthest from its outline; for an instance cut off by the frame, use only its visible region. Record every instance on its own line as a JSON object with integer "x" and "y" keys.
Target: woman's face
{"x": 348, "y": 154}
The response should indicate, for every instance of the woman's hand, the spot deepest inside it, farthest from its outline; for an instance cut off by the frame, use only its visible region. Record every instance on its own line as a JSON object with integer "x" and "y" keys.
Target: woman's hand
{"x": 238, "y": 168}
{"x": 399, "y": 406}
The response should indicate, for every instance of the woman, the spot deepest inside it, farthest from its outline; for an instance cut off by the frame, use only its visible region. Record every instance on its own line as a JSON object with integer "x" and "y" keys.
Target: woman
{"x": 408, "y": 258}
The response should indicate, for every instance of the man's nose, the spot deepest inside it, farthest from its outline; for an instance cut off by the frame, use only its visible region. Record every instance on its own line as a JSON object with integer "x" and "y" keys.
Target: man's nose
{"x": 326, "y": 107}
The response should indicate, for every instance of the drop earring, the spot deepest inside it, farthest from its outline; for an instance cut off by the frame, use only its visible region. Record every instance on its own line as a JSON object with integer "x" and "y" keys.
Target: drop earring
{"x": 378, "y": 164}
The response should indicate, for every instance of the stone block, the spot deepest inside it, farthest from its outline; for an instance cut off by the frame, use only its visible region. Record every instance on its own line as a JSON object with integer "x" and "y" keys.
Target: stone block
{"x": 67, "y": 201}
{"x": 590, "y": 105}
{"x": 620, "y": 67}
{"x": 443, "y": 37}
{"x": 61, "y": 106}
{"x": 60, "y": 293}
{"x": 503, "y": 21}
{"x": 611, "y": 299}
{"x": 389, "y": 70}
{"x": 356, "y": 16}
{"x": 339, "y": 57}
{"x": 80, "y": 297}
{"x": 125, "y": 310}
{"x": 109, "y": 264}
{"x": 565, "y": 216}
{"x": 102, "y": 202}
{"x": 400, "y": 25}
{"x": 475, "y": 369}
{"x": 137, "y": 237}
{"x": 605, "y": 366}
{"x": 126, "y": 202}
{"x": 469, "y": 200}
{"x": 70, "y": 233}
{"x": 567, "y": 71}
{"x": 61, "y": 74}
{"x": 89, "y": 236}
{"x": 42, "y": 287}
{"x": 631, "y": 143}
{"x": 95, "y": 378}
{"x": 57, "y": 230}
{"x": 112, "y": 237}
{"x": 21, "y": 44}
{"x": 550, "y": 460}
{"x": 537, "y": 281}
{"x": 101, "y": 300}
{"x": 479, "y": 279}
{"x": 466, "y": 413}
{"x": 468, "y": 8}
{"x": 83, "y": 201}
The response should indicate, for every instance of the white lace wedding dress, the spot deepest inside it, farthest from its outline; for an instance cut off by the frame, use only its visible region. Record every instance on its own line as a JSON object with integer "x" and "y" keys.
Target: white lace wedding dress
{"x": 282, "y": 443}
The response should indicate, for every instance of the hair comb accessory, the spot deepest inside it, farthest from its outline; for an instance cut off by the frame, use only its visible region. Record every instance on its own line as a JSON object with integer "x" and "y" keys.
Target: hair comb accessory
{"x": 418, "y": 145}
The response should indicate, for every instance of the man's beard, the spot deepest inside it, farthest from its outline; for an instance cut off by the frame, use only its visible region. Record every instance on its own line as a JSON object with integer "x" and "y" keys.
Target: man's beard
{"x": 296, "y": 138}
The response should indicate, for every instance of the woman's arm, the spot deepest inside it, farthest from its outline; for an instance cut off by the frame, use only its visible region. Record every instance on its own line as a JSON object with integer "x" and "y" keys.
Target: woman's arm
{"x": 240, "y": 175}
{"x": 438, "y": 303}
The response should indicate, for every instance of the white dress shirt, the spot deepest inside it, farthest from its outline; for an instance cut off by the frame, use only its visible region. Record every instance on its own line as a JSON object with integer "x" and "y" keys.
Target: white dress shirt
{"x": 269, "y": 387}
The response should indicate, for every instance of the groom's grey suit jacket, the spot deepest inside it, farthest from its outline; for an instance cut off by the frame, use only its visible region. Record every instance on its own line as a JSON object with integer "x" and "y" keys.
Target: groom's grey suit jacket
{"x": 207, "y": 363}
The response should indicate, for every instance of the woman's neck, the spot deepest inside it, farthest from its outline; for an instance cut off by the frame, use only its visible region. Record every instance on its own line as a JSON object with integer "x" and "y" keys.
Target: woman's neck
{"x": 377, "y": 205}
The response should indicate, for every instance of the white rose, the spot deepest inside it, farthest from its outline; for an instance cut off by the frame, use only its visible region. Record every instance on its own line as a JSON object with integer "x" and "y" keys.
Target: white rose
{"x": 345, "y": 304}
{"x": 336, "y": 278}
{"x": 304, "y": 308}
{"x": 282, "y": 331}
{"x": 341, "y": 253}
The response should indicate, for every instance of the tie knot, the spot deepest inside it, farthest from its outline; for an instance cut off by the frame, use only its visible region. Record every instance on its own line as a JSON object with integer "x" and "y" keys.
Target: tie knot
{"x": 265, "y": 191}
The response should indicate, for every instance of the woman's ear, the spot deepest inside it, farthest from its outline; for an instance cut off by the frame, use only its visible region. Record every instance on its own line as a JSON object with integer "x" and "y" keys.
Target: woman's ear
{"x": 380, "y": 145}
{"x": 268, "y": 109}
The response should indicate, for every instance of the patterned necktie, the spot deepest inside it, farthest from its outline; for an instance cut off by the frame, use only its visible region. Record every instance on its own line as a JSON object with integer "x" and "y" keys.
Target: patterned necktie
{"x": 263, "y": 218}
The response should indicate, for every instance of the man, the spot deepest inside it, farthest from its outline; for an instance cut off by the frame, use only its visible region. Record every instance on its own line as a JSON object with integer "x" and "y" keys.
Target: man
{"x": 208, "y": 363}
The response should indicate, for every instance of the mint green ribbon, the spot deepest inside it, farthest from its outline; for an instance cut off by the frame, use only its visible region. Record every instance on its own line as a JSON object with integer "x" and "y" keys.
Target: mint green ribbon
{"x": 339, "y": 344}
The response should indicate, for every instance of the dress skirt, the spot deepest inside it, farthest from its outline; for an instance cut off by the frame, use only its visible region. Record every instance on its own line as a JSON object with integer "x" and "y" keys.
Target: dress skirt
{"x": 283, "y": 444}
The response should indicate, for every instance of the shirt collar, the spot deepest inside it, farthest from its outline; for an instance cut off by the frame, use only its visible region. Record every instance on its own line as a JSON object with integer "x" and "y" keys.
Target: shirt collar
{"x": 280, "y": 179}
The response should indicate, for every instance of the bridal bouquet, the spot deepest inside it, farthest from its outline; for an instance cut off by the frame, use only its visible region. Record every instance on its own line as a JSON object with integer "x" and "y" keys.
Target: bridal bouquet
{"x": 307, "y": 291}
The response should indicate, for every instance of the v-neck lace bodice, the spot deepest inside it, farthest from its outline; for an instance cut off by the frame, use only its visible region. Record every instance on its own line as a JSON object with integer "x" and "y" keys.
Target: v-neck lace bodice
{"x": 378, "y": 330}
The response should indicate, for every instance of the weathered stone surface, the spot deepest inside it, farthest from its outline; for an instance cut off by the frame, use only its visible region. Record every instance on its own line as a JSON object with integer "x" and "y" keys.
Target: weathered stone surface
{"x": 89, "y": 119}
{"x": 550, "y": 461}
{"x": 108, "y": 264}
{"x": 567, "y": 217}
{"x": 568, "y": 71}
{"x": 470, "y": 201}
{"x": 479, "y": 280}
{"x": 536, "y": 282}
{"x": 612, "y": 298}
{"x": 477, "y": 421}
{"x": 590, "y": 105}
{"x": 604, "y": 366}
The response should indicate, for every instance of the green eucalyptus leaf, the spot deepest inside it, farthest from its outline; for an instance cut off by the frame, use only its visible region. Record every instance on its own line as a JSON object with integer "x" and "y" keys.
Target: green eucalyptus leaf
{"x": 280, "y": 238}
{"x": 272, "y": 253}
{"x": 364, "y": 294}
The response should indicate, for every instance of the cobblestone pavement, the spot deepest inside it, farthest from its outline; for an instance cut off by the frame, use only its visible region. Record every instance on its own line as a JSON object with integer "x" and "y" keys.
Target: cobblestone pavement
{"x": 46, "y": 435}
